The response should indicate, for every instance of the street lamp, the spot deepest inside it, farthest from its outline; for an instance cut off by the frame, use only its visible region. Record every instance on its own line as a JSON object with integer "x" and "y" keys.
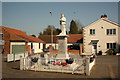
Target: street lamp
{"x": 51, "y": 34}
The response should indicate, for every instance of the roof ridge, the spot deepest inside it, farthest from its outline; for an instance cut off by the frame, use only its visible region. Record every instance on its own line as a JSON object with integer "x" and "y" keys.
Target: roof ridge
{"x": 111, "y": 22}
{"x": 12, "y": 29}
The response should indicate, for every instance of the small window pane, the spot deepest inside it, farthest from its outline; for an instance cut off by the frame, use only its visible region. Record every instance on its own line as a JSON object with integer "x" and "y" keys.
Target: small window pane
{"x": 93, "y": 31}
{"x": 31, "y": 45}
{"x": 39, "y": 45}
{"x": 108, "y": 46}
{"x": 111, "y": 46}
{"x": 108, "y": 31}
{"x": 114, "y": 45}
{"x": 114, "y": 31}
{"x": 90, "y": 31}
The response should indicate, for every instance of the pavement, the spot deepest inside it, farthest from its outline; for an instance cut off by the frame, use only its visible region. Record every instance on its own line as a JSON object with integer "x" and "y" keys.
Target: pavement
{"x": 0, "y": 66}
{"x": 106, "y": 67}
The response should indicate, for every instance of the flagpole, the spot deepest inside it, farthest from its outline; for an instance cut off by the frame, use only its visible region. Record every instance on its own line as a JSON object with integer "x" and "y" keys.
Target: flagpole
{"x": 51, "y": 35}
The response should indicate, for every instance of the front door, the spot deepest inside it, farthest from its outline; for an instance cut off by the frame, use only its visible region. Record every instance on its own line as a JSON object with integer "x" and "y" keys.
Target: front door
{"x": 94, "y": 48}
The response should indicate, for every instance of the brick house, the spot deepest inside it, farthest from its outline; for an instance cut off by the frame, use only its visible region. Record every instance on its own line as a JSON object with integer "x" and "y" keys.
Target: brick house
{"x": 73, "y": 39}
{"x": 16, "y": 41}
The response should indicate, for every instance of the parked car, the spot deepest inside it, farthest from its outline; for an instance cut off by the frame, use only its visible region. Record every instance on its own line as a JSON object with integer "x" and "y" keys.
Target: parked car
{"x": 73, "y": 47}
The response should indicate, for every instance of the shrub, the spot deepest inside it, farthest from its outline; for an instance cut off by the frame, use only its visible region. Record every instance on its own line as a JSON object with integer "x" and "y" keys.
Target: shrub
{"x": 100, "y": 52}
{"x": 69, "y": 61}
{"x": 34, "y": 60}
{"x": 112, "y": 52}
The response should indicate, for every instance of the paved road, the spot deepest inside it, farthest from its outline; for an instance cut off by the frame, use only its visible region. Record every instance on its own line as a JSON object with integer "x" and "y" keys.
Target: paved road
{"x": 106, "y": 67}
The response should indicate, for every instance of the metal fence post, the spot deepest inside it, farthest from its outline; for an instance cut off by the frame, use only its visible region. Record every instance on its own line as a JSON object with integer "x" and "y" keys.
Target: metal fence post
{"x": 14, "y": 56}
{"x": 87, "y": 62}
{"x": 24, "y": 63}
{"x": 21, "y": 63}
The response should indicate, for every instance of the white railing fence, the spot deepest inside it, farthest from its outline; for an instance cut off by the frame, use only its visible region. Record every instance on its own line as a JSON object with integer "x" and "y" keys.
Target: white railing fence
{"x": 16, "y": 56}
{"x": 38, "y": 62}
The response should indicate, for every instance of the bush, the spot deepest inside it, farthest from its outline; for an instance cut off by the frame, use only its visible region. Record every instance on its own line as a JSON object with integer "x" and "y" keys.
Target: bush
{"x": 112, "y": 52}
{"x": 69, "y": 61}
{"x": 100, "y": 53}
{"x": 34, "y": 60}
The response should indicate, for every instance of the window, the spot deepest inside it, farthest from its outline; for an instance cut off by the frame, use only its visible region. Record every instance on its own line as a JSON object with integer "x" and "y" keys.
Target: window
{"x": 31, "y": 45}
{"x": 114, "y": 45}
{"x": 39, "y": 45}
{"x": 1, "y": 36}
{"x": 114, "y": 31}
{"x": 107, "y": 45}
{"x": 92, "y": 31}
{"x": 111, "y": 45}
{"x": 108, "y": 31}
{"x": 111, "y": 31}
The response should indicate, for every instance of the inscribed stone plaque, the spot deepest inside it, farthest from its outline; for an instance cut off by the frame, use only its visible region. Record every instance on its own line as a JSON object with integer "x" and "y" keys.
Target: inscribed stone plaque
{"x": 62, "y": 45}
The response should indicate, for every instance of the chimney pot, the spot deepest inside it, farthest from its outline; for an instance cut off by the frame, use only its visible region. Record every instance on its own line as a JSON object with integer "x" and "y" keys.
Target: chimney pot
{"x": 102, "y": 16}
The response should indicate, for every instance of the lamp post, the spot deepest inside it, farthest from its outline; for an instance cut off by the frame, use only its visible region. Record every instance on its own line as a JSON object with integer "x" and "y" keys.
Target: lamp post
{"x": 51, "y": 34}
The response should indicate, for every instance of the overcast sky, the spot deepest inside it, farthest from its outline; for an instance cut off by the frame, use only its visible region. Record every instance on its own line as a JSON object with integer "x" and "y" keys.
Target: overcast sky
{"x": 34, "y": 17}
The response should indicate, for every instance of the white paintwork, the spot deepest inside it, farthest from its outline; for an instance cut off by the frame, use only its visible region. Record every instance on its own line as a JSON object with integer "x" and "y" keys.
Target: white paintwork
{"x": 17, "y": 43}
{"x": 62, "y": 23}
{"x": 36, "y": 47}
{"x": 56, "y": 45}
{"x": 13, "y": 57}
{"x": 91, "y": 65}
{"x": 100, "y": 34}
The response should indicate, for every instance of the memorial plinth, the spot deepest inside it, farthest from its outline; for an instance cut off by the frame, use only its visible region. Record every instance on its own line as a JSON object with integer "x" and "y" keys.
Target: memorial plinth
{"x": 62, "y": 46}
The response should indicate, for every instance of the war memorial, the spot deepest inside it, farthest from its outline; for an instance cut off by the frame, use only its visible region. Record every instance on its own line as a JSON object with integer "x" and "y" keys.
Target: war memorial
{"x": 61, "y": 62}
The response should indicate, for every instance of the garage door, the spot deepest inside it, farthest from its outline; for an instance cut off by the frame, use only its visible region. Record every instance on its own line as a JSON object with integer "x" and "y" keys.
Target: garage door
{"x": 18, "y": 48}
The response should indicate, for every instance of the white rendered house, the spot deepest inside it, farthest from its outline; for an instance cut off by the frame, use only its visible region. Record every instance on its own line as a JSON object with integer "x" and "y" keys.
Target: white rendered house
{"x": 101, "y": 35}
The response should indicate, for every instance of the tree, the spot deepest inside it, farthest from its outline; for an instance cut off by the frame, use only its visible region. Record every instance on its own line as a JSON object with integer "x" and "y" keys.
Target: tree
{"x": 40, "y": 33}
{"x": 33, "y": 35}
{"x": 48, "y": 30}
{"x": 58, "y": 31}
{"x": 80, "y": 26}
{"x": 73, "y": 27}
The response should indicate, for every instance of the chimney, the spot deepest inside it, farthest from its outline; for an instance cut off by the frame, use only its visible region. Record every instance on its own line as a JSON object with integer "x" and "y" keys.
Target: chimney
{"x": 104, "y": 16}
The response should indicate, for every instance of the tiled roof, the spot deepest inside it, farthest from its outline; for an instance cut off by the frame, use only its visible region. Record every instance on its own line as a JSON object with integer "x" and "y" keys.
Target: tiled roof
{"x": 75, "y": 38}
{"x": 72, "y": 38}
{"x": 47, "y": 38}
{"x": 20, "y": 35}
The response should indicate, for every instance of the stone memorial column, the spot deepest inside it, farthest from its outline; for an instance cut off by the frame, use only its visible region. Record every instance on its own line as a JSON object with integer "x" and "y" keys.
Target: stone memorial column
{"x": 62, "y": 39}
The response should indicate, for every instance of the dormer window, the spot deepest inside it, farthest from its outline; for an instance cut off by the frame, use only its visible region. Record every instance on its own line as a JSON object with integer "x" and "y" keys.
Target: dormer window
{"x": 92, "y": 31}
